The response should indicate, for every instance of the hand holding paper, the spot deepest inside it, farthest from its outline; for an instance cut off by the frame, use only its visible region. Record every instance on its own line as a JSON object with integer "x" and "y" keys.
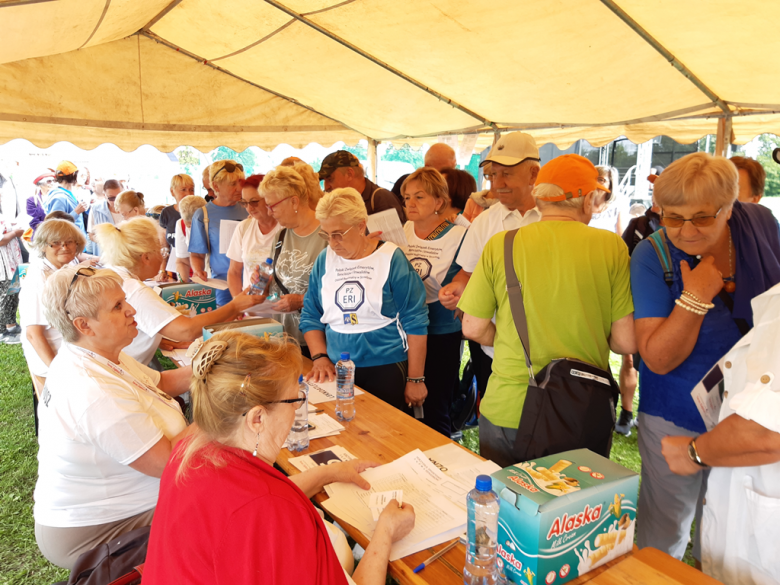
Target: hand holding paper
{"x": 379, "y": 501}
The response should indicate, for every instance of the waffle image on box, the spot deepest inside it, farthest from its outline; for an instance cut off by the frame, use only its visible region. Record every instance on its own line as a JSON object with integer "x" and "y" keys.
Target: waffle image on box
{"x": 563, "y": 515}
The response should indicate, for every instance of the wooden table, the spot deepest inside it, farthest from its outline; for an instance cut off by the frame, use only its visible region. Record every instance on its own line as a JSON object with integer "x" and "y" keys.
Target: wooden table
{"x": 382, "y": 433}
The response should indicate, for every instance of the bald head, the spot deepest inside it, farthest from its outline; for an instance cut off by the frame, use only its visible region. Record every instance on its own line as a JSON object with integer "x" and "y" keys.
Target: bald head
{"x": 440, "y": 156}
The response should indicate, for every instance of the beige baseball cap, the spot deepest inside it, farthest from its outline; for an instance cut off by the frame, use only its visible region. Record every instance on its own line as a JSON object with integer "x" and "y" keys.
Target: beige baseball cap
{"x": 512, "y": 149}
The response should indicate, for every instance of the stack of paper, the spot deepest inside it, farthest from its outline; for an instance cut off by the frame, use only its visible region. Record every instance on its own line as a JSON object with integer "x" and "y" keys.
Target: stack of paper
{"x": 460, "y": 464}
{"x": 321, "y": 425}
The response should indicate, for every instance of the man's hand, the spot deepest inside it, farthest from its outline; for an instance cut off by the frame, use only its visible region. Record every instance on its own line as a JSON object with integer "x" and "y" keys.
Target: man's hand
{"x": 675, "y": 451}
{"x": 415, "y": 393}
{"x": 450, "y": 294}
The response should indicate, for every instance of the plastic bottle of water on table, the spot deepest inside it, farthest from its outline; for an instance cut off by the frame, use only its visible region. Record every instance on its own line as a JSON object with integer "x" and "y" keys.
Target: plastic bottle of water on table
{"x": 345, "y": 388}
{"x": 265, "y": 272}
{"x": 299, "y": 433}
{"x": 482, "y": 527}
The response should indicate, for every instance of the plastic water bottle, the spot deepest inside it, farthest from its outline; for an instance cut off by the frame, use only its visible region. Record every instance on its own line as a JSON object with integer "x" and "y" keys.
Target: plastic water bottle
{"x": 482, "y": 504}
{"x": 345, "y": 388}
{"x": 265, "y": 272}
{"x": 299, "y": 433}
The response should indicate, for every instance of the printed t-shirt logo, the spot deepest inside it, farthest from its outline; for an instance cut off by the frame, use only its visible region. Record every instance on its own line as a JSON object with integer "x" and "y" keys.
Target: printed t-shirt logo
{"x": 422, "y": 266}
{"x": 349, "y": 298}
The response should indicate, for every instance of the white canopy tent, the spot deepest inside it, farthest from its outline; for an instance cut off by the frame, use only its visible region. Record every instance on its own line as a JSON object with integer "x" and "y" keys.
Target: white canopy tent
{"x": 208, "y": 73}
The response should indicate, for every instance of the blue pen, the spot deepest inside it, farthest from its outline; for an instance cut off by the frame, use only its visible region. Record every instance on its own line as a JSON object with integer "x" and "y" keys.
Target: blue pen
{"x": 447, "y": 548}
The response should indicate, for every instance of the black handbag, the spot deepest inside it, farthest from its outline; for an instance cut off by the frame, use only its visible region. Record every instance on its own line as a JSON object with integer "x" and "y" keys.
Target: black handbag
{"x": 570, "y": 404}
{"x": 119, "y": 561}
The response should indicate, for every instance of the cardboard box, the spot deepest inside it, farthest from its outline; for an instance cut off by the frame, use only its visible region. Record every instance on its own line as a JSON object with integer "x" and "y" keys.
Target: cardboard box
{"x": 563, "y": 515}
{"x": 189, "y": 299}
{"x": 257, "y": 327}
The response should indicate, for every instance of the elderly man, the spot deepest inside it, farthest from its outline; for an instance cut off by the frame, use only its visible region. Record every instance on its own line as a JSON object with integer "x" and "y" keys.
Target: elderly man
{"x": 439, "y": 156}
{"x": 514, "y": 165}
{"x": 576, "y": 291}
{"x": 342, "y": 169}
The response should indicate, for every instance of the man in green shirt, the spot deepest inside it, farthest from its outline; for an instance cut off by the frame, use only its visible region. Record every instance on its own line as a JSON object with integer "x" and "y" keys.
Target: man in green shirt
{"x": 576, "y": 291}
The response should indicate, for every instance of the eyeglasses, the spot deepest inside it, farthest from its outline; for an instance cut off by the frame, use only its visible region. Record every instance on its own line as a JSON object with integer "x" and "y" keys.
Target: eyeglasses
{"x": 271, "y": 207}
{"x": 253, "y": 203}
{"x": 229, "y": 167}
{"x": 698, "y": 221}
{"x": 247, "y": 381}
{"x": 152, "y": 215}
{"x": 55, "y": 245}
{"x": 336, "y": 236}
{"x": 85, "y": 271}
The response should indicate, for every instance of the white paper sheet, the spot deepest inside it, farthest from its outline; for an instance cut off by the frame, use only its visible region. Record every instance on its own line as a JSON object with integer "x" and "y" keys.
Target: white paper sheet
{"x": 226, "y": 229}
{"x": 324, "y": 392}
{"x": 212, "y": 282}
{"x": 461, "y": 465}
{"x": 389, "y": 224}
{"x": 708, "y": 395}
{"x": 178, "y": 355}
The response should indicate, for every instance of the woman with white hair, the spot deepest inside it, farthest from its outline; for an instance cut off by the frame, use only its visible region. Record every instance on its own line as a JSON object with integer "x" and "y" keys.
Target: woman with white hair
{"x": 692, "y": 281}
{"x": 225, "y": 178}
{"x": 187, "y": 207}
{"x": 365, "y": 298}
{"x": 182, "y": 186}
{"x": 132, "y": 250}
{"x": 108, "y": 423}
{"x": 57, "y": 243}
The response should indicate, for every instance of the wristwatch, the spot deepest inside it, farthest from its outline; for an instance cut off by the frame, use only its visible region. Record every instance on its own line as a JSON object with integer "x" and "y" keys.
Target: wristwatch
{"x": 419, "y": 380}
{"x": 318, "y": 356}
{"x": 694, "y": 454}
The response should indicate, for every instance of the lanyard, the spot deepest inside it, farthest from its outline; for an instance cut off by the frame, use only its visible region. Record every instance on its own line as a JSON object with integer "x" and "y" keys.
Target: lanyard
{"x": 127, "y": 377}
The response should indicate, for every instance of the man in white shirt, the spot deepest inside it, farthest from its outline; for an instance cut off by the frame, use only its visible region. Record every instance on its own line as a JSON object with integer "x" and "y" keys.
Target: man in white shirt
{"x": 515, "y": 165}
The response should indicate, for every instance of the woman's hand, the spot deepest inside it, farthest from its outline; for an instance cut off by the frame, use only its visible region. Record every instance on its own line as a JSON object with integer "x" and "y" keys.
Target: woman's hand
{"x": 289, "y": 303}
{"x": 322, "y": 370}
{"x": 349, "y": 472}
{"x": 200, "y": 274}
{"x": 397, "y": 521}
{"x": 704, "y": 281}
{"x": 246, "y": 301}
{"x": 80, "y": 208}
{"x": 415, "y": 393}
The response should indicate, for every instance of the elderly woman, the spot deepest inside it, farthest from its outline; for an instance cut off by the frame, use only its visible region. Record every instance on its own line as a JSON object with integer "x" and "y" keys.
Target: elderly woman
{"x": 57, "y": 243}
{"x": 296, "y": 247}
{"x": 366, "y": 299}
{"x": 692, "y": 281}
{"x": 253, "y": 240}
{"x": 181, "y": 186}
{"x": 107, "y": 422}
{"x": 262, "y": 528}
{"x": 133, "y": 252}
{"x": 187, "y": 206}
{"x": 225, "y": 177}
{"x": 434, "y": 242}
{"x": 130, "y": 204}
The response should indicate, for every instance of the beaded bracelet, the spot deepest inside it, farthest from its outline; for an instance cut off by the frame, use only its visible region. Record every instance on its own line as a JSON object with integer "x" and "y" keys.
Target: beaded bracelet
{"x": 697, "y": 301}
{"x": 688, "y": 307}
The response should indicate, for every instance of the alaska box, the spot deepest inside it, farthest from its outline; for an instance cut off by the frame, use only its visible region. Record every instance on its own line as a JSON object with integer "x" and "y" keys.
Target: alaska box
{"x": 189, "y": 299}
{"x": 563, "y": 515}
{"x": 257, "y": 327}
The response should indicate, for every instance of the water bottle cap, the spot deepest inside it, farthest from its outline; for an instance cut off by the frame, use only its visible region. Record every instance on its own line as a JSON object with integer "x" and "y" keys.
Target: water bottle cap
{"x": 344, "y": 356}
{"x": 269, "y": 261}
{"x": 300, "y": 379}
{"x": 484, "y": 483}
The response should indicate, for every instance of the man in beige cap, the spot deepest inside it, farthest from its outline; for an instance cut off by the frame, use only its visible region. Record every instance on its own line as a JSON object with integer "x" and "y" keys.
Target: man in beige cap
{"x": 515, "y": 164}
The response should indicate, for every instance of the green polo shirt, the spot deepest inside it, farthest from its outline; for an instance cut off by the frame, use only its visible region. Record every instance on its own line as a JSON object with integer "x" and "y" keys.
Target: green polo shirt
{"x": 575, "y": 283}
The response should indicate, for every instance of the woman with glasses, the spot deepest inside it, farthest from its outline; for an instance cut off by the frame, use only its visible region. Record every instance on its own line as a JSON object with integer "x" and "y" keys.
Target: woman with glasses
{"x": 57, "y": 243}
{"x": 225, "y": 179}
{"x": 261, "y": 528}
{"x": 181, "y": 186}
{"x": 133, "y": 251}
{"x": 366, "y": 299}
{"x": 108, "y": 423}
{"x": 130, "y": 204}
{"x": 296, "y": 246}
{"x": 692, "y": 283}
{"x": 252, "y": 242}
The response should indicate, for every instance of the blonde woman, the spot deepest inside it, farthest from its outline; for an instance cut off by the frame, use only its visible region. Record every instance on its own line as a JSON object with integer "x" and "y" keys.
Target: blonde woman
{"x": 312, "y": 180}
{"x": 225, "y": 178}
{"x": 133, "y": 251}
{"x": 187, "y": 207}
{"x": 366, "y": 299}
{"x": 261, "y": 528}
{"x": 296, "y": 246}
{"x": 181, "y": 186}
{"x": 130, "y": 204}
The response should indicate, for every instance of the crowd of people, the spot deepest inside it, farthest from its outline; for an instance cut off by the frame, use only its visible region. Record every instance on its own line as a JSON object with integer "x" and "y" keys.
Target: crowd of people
{"x": 687, "y": 287}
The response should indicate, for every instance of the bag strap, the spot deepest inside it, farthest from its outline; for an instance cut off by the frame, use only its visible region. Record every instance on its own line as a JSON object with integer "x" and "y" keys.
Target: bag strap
{"x": 373, "y": 195}
{"x": 206, "y": 225}
{"x": 658, "y": 241}
{"x": 515, "y": 293}
{"x": 277, "y": 251}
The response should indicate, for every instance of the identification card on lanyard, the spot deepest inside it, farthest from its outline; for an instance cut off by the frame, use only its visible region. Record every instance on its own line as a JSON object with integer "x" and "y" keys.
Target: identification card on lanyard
{"x": 153, "y": 390}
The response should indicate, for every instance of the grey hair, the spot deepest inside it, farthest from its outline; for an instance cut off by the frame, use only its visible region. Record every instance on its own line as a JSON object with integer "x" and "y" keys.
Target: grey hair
{"x": 189, "y": 205}
{"x": 548, "y": 190}
{"x": 697, "y": 178}
{"x": 346, "y": 203}
{"x": 85, "y": 298}
{"x": 57, "y": 230}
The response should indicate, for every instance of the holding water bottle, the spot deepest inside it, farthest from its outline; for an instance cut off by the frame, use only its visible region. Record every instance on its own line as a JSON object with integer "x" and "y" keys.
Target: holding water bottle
{"x": 264, "y": 272}
{"x": 482, "y": 526}
{"x": 345, "y": 388}
{"x": 299, "y": 433}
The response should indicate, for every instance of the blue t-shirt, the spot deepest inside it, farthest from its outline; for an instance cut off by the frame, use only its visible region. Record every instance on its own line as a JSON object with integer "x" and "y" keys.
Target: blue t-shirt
{"x": 403, "y": 294}
{"x": 60, "y": 199}
{"x": 219, "y": 262}
{"x": 669, "y": 396}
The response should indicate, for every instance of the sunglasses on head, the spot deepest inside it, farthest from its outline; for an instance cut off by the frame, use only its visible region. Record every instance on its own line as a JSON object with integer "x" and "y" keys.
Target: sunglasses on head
{"x": 230, "y": 168}
{"x": 85, "y": 271}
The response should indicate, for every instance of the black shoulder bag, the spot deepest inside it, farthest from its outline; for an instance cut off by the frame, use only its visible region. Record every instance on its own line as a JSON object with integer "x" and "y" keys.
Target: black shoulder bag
{"x": 277, "y": 251}
{"x": 573, "y": 407}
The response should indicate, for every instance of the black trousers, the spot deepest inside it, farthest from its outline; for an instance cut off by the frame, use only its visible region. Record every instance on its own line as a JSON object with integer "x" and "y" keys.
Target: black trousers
{"x": 386, "y": 382}
{"x": 442, "y": 363}
{"x": 482, "y": 365}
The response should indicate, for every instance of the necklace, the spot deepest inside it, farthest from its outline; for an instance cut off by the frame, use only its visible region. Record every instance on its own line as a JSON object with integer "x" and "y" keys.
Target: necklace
{"x": 729, "y": 285}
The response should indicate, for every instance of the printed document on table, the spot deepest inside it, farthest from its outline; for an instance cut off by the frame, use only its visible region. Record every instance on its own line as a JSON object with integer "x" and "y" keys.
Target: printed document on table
{"x": 226, "y": 229}
{"x": 324, "y": 391}
{"x": 389, "y": 224}
{"x": 460, "y": 464}
{"x": 434, "y": 495}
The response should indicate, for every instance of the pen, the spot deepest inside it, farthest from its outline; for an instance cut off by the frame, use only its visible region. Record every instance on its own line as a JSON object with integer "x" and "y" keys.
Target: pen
{"x": 447, "y": 548}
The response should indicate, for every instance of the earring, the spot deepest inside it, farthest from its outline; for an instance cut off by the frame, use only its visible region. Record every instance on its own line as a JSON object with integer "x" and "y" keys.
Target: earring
{"x": 254, "y": 453}
{"x": 436, "y": 212}
{"x": 296, "y": 211}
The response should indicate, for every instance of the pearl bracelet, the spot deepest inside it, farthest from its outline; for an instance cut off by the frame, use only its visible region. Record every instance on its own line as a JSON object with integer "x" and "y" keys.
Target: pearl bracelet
{"x": 688, "y": 307}
{"x": 694, "y": 300}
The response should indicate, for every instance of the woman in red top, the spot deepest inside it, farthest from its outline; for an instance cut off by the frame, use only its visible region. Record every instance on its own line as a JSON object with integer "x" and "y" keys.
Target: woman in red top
{"x": 224, "y": 514}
